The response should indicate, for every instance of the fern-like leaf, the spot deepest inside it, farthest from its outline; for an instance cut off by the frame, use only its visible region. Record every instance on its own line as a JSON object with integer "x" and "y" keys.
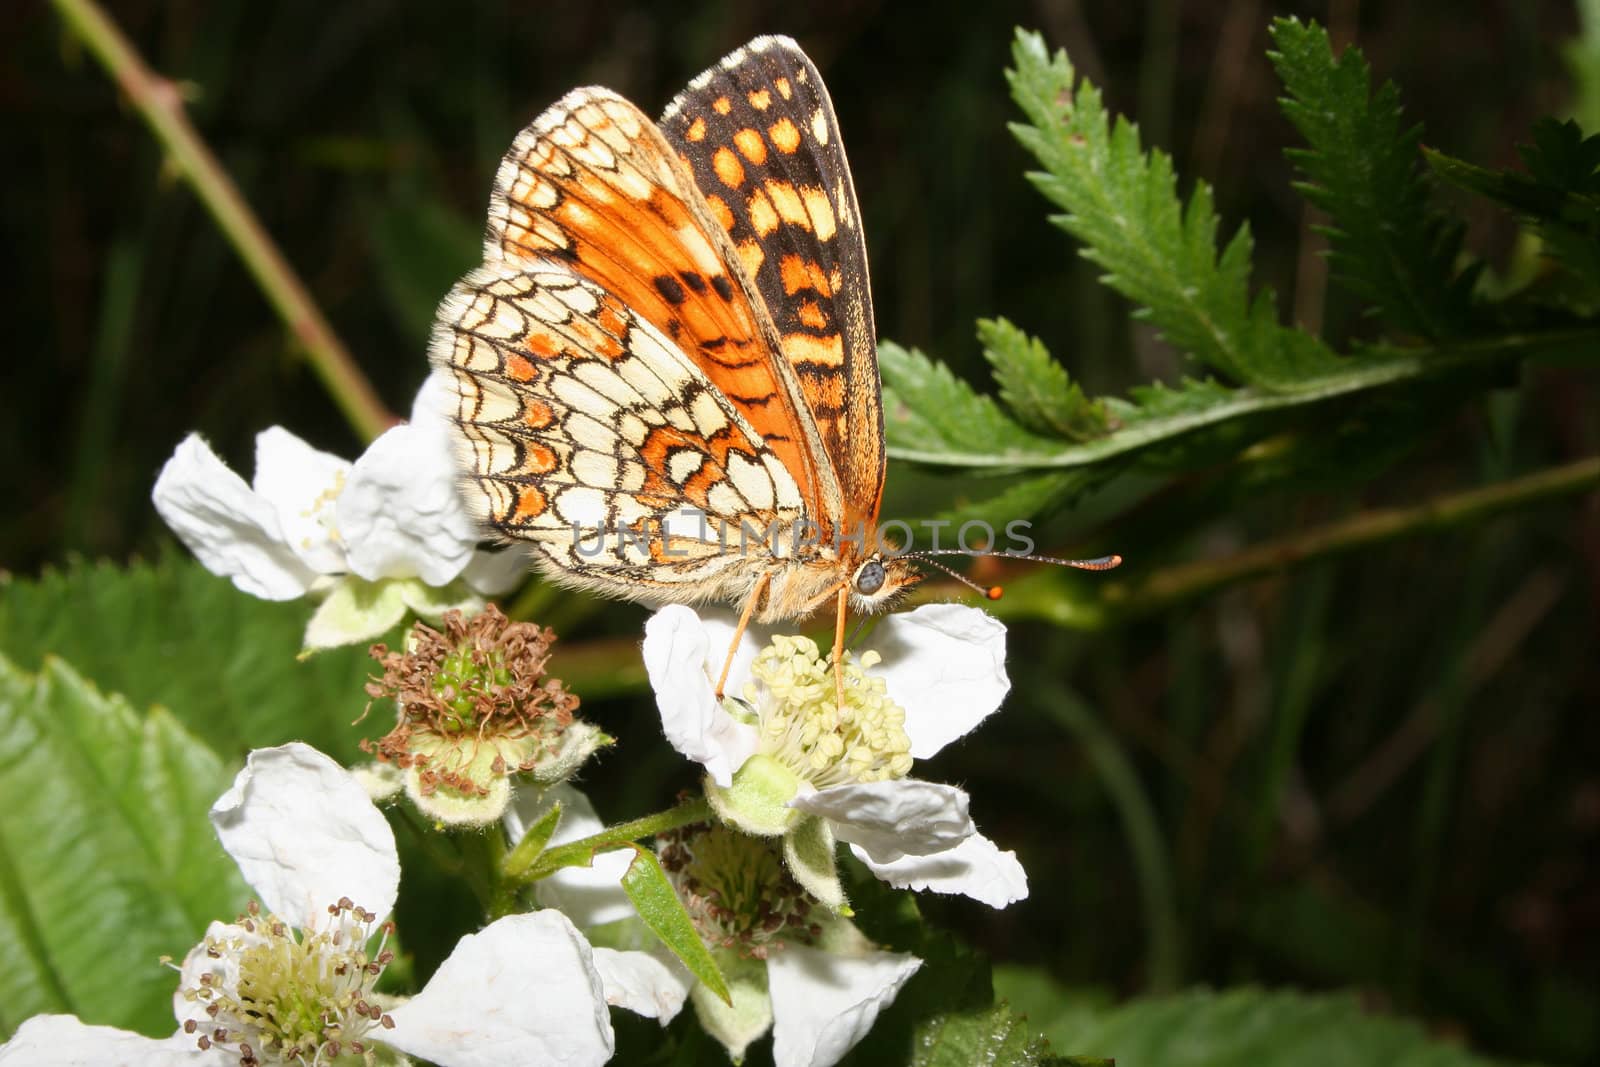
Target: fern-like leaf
{"x": 1036, "y": 388}
{"x": 926, "y": 408}
{"x": 1386, "y": 243}
{"x": 1156, "y": 250}
{"x": 1559, "y": 194}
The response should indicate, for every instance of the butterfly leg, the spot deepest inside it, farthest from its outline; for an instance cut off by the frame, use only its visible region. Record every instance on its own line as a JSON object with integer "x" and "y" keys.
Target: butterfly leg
{"x": 744, "y": 620}
{"x": 838, "y": 644}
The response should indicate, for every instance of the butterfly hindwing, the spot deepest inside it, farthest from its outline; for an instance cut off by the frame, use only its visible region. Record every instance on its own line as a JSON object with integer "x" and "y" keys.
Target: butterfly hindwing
{"x": 590, "y": 434}
{"x": 759, "y": 135}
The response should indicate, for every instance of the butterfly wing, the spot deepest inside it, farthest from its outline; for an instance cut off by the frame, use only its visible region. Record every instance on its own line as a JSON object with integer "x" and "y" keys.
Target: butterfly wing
{"x": 591, "y": 434}
{"x": 759, "y": 135}
{"x": 593, "y": 183}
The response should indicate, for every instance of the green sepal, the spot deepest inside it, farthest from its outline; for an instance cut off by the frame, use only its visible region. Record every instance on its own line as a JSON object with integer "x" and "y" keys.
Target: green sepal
{"x": 658, "y": 905}
{"x": 533, "y": 843}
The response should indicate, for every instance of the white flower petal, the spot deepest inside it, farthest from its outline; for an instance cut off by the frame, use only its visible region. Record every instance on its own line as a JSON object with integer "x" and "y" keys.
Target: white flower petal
{"x": 301, "y": 483}
{"x": 223, "y": 972}
{"x": 232, "y": 531}
{"x": 823, "y": 1004}
{"x": 679, "y": 648}
{"x": 975, "y": 868}
{"x": 904, "y": 817}
{"x": 494, "y": 573}
{"x": 522, "y": 990}
{"x": 643, "y": 983}
{"x": 400, "y": 515}
{"x": 304, "y": 835}
{"x": 64, "y": 1041}
{"x": 945, "y": 664}
{"x": 590, "y": 896}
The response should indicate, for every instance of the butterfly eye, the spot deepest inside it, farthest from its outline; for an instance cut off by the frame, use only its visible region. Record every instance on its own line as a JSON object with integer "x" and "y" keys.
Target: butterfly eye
{"x": 870, "y": 578}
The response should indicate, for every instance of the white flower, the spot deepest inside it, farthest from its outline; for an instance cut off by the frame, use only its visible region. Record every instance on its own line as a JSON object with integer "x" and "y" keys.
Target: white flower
{"x": 795, "y": 969}
{"x": 522, "y": 990}
{"x": 380, "y": 535}
{"x": 787, "y": 762}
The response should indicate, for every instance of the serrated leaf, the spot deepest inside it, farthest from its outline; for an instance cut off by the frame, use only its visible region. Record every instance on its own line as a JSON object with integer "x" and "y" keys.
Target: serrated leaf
{"x": 175, "y": 635}
{"x": 926, "y": 407}
{"x": 1251, "y": 1027}
{"x": 1156, "y": 250}
{"x": 1386, "y": 243}
{"x": 1559, "y": 194}
{"x": 1035, "y": 387}
{"x": 658, "y": 905}
{"x": 109, "y": 860}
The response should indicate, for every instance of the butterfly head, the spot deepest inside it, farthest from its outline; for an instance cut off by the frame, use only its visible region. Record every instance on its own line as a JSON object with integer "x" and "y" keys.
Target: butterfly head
{"x": 879, "y": 579}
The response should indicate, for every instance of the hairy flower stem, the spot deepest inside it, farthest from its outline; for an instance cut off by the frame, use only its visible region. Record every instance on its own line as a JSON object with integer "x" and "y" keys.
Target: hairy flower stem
{"x": 517, "y": 868}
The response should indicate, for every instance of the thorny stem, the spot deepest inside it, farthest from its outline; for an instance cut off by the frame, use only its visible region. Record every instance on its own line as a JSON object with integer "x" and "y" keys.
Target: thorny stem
{"x": 578, "y": 853}
{"x": 160, "y": 103}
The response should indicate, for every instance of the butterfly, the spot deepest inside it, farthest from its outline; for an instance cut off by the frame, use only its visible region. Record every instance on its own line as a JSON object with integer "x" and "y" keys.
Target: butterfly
{"x": 665, "y": 371}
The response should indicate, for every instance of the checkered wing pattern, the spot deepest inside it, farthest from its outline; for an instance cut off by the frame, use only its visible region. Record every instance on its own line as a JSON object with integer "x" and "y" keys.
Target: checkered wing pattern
{"x": 759, "y": 135}
{"x": 593, "y": 183}
{"x": 591, "y": 434}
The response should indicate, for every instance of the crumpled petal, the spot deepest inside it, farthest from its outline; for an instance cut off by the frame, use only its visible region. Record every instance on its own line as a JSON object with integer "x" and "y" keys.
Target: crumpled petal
{"x": 945, "y": 664}
{"x": 680, "y": 649}
{"x": 975, "y": 868}
{"x": 643, "y": 982}
{"x": 301, "y": 483}
{"x": 522, "y": 990}
{"x": 590, "y": 896}
{"x": 400, "y": 515}
{"x": 888, "y": 820}
{"x": 822, "y": 1004}
{"x": 231, "y": 530}
{"x": 64, "y": 1041}
{"x": 305, "y": 835}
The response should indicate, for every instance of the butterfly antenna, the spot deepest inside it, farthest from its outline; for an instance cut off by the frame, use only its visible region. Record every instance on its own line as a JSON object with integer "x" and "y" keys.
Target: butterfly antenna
{"x": 994, "y": 592}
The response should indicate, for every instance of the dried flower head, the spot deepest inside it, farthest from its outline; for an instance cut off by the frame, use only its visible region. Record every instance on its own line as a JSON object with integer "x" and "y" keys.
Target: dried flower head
{"x": 475, "y": 708}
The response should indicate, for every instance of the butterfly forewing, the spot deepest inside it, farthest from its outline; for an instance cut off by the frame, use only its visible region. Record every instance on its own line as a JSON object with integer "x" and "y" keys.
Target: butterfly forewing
{"x": 759, "y": 135}
{"x": 592, "y": 182}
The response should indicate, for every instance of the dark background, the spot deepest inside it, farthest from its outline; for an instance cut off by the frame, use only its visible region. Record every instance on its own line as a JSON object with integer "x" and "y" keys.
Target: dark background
{"x": 1377, "y": 773}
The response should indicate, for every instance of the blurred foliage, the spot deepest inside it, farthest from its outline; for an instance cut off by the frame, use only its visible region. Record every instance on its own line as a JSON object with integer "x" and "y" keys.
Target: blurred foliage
{"x": 1374, "y": 773}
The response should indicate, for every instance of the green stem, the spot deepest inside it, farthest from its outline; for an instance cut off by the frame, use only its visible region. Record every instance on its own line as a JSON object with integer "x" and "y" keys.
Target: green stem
{"x": 1143, "y": 833}
{"x": 1069, "y": 601}
{"x": 578, "y": 853}
{"x": 160, "y": 104}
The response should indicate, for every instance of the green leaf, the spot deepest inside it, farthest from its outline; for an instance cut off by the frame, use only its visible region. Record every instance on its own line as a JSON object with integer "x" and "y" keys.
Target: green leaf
{"x": 996, "y": 1036}
{"x": 1250, "y": 1027}
{"x": 1160, "y": 418}
{"x": 1386, "y": 243}
{"x": 1559, "y": 194}
{"x": 658, "y": 905}
{"x": 1035, "y": 387}
{"x": 173, "y": 634}
{"x": 928, "y": 408}
{"x": 1156, "y": 250}
{"x": 107, "y": 859}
